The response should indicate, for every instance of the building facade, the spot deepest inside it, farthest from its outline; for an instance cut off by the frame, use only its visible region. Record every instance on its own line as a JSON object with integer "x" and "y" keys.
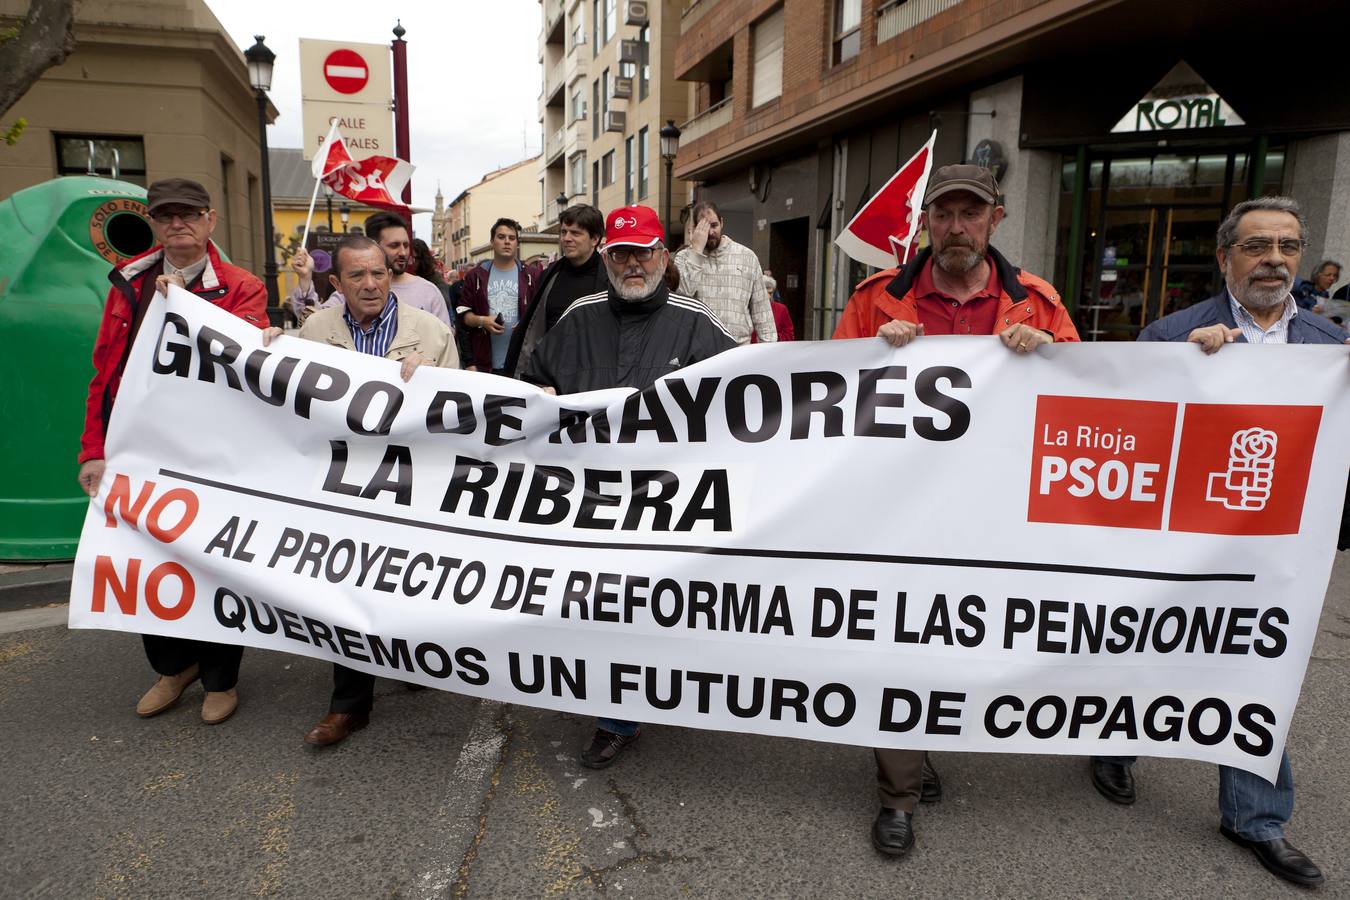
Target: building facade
{"x": 608, "y": 89}
{"x": 1121, "y": 131}
{"x": 154, "y": 89}
{"x": 508, "y": 192}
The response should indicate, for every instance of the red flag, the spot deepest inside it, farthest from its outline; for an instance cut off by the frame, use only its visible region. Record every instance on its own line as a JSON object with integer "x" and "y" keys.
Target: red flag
{"x": 375, "y": 181}
{"x": 332, "y": 154}
{"x": 886, "y": 229}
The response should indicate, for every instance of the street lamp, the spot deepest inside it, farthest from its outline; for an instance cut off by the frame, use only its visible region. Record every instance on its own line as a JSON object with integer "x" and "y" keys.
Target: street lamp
{"x": 561, "y": 200}
{"x": 260, "y": 60}
{"x": 344, "y": 213}
{"x": 670, "y": 145}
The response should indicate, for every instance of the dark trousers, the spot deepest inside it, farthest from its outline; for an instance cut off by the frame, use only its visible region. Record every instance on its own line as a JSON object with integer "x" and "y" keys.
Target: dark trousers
{"x": 353, "y": 691}
{"x": 899, "y": 778}
{"x": 218, "y": 663}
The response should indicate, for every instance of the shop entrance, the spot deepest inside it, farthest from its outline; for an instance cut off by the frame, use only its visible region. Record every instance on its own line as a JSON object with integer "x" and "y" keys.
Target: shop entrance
{"x": 1151, "y": 246}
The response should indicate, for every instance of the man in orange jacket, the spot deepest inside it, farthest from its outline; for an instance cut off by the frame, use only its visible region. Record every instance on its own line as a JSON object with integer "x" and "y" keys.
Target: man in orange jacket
{"x": 182, "y": 220}
{"x": 959, "y": 285}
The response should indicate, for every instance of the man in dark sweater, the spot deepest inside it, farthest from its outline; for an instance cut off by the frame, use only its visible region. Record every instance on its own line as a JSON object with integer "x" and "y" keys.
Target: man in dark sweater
{"x": 578, "y": 272}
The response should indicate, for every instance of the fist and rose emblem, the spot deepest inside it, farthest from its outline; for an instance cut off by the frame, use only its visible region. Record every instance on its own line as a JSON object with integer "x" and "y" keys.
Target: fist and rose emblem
{"x": 1247, "y": 482}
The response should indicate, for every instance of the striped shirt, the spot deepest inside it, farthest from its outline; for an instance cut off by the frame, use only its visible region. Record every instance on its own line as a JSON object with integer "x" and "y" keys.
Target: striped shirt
{"x": 376, "y": 339}
{"x": 1253, "y": 332}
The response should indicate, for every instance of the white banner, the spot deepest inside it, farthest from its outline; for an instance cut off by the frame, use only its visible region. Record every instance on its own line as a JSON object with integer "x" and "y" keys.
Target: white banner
{"x": 1109, "y": 548}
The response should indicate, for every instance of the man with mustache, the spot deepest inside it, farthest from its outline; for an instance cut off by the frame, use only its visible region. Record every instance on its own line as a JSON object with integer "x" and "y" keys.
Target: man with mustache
{"x": 1259, "y": 248}
{"x": 628, "y": 336}
{"x": 391, "y": 233}
{"x": 958, "y": 285}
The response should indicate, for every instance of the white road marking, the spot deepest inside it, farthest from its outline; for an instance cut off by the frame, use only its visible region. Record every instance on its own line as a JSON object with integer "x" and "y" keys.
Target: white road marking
{"x": 457, "y": 819}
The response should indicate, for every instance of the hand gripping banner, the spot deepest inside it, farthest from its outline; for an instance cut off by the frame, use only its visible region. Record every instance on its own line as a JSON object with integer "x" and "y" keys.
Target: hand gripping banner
{"x": 1113, "y": 548}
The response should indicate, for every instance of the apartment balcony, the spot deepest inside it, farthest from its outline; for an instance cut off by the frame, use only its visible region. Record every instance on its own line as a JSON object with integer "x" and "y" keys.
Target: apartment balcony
{"x": 553, "y": 21}
{"x": 554, "y": 146}
{"x": 554, "y": 82}
{"x": 706, "y": 122}
{"x": 693, "y": 11}
{"x": 898, "y": 16}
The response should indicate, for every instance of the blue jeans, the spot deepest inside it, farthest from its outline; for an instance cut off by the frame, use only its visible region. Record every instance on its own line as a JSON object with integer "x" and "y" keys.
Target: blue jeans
{"x": 618, "y": 726}
{"x": 1248, "y": 804}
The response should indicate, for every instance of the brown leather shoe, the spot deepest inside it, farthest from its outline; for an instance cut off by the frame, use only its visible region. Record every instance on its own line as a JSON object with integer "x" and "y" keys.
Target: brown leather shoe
{"x": 219, "y": 706}
{"x": 165, "y": 692}
{"x": 334, "y": 728}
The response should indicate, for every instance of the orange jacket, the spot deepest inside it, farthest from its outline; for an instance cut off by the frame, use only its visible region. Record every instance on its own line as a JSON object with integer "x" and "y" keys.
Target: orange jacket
{"x": 889, "y": 295}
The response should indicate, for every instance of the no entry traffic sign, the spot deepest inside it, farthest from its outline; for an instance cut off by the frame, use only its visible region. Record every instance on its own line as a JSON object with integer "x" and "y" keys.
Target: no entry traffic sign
{"x": 345, "y": 71}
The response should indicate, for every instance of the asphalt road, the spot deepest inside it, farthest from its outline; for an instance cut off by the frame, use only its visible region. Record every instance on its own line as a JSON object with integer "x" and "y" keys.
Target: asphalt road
{"x": 449, "y": 796}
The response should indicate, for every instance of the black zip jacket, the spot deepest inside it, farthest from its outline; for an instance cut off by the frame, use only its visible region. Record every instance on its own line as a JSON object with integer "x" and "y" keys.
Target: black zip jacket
{"x": 603, "y": 341}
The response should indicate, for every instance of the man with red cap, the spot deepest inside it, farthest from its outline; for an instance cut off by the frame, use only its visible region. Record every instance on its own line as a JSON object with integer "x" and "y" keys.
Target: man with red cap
{"x": 957, "y": 285}
{"x": 628, "y": 336}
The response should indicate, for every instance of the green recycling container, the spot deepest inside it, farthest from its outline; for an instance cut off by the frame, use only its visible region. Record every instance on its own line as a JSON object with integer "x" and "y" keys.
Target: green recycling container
{"x": 58, "y": 241}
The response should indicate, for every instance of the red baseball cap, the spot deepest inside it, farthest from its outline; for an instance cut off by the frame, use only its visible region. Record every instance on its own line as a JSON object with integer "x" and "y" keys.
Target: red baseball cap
{"x": 633, "y": 226}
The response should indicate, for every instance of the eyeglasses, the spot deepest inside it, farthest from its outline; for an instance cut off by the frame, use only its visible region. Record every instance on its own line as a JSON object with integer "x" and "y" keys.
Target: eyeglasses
{"x": 1258, "y": 247}
{"x": 621, "y": 255}
{"x": 191, "y": 217}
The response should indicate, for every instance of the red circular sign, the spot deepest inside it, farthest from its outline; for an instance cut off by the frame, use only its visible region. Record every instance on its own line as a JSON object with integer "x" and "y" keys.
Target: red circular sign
{"x": 345, "y": 71}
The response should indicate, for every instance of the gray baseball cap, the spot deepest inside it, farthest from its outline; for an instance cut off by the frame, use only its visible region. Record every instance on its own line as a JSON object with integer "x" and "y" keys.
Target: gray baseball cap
{"x": 964, "y": 177}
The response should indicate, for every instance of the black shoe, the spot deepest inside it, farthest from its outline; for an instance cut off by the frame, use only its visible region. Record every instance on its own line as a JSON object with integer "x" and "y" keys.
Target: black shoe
{"x": 605, "y": 747}
{"x": 931, "y": 791}
{"x": 1281, "y": 858}
{"x": 893, "y": 832}
{"x": 1114, "y": 781}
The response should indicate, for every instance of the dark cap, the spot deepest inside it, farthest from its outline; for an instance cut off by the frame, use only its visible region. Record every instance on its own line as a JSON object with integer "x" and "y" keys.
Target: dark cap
{"x": 975, "y": 179}
{"x": 176, "y": 192}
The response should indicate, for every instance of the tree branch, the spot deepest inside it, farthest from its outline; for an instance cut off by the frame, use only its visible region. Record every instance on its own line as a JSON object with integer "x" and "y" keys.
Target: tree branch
{"x": 45, "y": 39}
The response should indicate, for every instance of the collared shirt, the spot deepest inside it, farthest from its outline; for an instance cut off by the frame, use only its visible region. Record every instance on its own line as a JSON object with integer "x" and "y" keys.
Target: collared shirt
{"x": 188, "y": 274}
{"x": 941, "y": 313}
{"x": 1278, "y": 333}
{"x": 730, "y": 282}
{"x": 376, "y": 339}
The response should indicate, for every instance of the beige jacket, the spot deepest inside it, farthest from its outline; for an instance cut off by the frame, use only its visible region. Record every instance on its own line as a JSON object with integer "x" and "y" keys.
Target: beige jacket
{"x": 417, "y": 332}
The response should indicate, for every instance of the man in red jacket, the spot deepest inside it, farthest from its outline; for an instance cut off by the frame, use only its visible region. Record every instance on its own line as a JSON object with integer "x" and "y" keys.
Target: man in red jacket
{"x": 959, "y": 285}
{"x": 183, "y": 220}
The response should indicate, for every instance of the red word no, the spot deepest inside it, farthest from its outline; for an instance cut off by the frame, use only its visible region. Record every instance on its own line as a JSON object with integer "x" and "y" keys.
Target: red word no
{"x": 120, "y": 505}
{"x": 125, "y": 590}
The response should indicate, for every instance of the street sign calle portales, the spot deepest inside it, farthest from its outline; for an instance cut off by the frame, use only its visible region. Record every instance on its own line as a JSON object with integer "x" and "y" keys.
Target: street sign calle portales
{"x": 351, "y": 84}
{"x": 1181, "y": 100}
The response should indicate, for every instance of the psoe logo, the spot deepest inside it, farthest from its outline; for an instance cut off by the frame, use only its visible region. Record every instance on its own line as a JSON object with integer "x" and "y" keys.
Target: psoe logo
{"x": 1246, "y": 482}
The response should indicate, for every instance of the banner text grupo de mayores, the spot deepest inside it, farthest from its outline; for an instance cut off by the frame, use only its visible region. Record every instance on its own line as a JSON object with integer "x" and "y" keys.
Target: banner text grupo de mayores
{"x": 1113, "y": 549}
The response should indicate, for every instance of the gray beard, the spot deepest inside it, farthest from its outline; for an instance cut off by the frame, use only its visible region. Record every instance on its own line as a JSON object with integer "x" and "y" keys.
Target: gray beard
{"x": 1253, "y": 297}
{"x": 633, "y": 295}
{"x": 959, "y": 260}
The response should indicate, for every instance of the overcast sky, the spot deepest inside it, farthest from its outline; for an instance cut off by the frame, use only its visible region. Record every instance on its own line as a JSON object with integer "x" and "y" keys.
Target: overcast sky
{"x": 473, "y": 77}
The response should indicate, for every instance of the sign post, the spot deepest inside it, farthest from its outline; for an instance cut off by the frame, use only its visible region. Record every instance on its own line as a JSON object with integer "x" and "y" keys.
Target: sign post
{"x": 350, "y": 85}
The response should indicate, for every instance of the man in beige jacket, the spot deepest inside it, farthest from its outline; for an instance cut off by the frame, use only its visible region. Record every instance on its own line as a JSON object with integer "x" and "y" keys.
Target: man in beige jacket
{"x": 371, "y": 320}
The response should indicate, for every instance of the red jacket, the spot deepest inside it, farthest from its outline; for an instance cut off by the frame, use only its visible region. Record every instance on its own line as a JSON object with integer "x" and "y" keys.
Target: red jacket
{"x": 229, "y": 287}
{"x": 474, "y": 296}
{"x": 889, "y": 295}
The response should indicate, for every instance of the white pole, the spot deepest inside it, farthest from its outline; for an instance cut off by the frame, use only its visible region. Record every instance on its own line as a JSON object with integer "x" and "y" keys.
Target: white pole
{"x": 313, "y": 197}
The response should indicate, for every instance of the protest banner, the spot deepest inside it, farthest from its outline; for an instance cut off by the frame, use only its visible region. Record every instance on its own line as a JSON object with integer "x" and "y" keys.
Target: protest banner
{"x": 1116, "y": 549}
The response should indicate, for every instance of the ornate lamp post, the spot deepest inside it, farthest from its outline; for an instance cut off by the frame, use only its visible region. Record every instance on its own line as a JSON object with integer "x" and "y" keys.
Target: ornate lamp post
{"x": 670, "y": 145}
{"x": 260, "y": 60}
{"x": 344, "y": 213}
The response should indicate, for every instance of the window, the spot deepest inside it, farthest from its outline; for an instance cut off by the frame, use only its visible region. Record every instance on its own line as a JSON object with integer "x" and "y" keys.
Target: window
{"x": 607, "y": 169}
{"x": 642, "y": 163}
{"x": 847, "y": 30}
{"x": 95, "y": 154}
{"x": 766, "y": 77}
{"x": 644, "y": 61}
{"x": 595, "y": 184}
{"x": 595, "y": 109}
{"x": 628, "y": 171}
{"x": 595, "y": 26}
{"x": 605, "y": 87}
{"x": 578, "y": 33}
{"x": 578, "y": 175}
{"x": 611, "y": 19}
{"x": 579, "y": 102}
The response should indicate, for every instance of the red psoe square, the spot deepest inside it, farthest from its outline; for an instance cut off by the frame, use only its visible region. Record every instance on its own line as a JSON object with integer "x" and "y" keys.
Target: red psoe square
{"x": 1243, "y": 469}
